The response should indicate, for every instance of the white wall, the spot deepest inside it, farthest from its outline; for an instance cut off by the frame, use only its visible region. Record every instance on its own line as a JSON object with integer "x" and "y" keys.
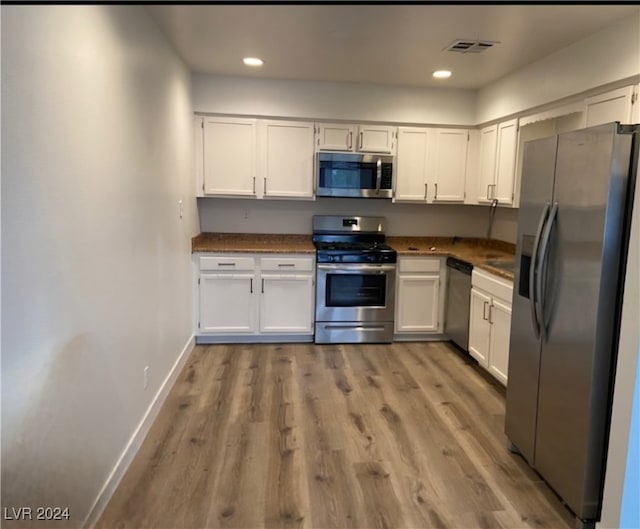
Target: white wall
{"x": 277, "y": 216}
{"x": 326, "y": 100}
{"x": 607, "y": 56}
{"x": 96, "y": 152}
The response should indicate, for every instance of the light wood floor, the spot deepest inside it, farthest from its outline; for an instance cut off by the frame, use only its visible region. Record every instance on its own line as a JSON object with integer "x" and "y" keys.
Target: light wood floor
{"x": 323, "y": 436}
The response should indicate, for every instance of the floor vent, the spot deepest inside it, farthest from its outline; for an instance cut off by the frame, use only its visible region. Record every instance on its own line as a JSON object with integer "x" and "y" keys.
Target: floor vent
{"x": 470, "y": 45}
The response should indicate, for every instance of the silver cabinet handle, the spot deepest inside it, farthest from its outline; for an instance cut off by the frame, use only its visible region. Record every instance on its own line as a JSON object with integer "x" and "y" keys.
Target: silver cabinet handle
{"x": 226, "y": 264}
{"x": 493, "y": 186}
{"x": 264, "y": 190}
{"x": 283, "y": 265}
{"x": 262, "y": 285}
{"x": 254, "y": 185}
{"x": 361, "y": 140}
{"x": 484, "y": 310}
{"x": 425, "y": 191}
{"x": 491, "y": 314}
{"x": 251, "y": 285}
{"x": 350, "y": 140}
{"x": 488, "y": 187}
{"x": 436, "y": 192}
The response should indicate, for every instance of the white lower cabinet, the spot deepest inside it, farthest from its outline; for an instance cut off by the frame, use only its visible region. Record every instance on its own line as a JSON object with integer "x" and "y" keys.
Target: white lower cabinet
{"x": 227, "y": 303}
{"x": 248, "y": 297}
{"x": 490, "y": 323}
{"x": 418, "y": 296}
{"x": 285, "y": 303}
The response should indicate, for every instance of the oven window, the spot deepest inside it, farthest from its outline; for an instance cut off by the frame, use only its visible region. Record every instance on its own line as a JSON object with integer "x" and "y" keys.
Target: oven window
{"x": 356, "y": 290}
{"x": 347, "y": 175}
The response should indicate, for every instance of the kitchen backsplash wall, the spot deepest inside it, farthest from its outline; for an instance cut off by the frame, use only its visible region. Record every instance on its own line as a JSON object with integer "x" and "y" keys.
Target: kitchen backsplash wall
{"x": 279, "y": 216}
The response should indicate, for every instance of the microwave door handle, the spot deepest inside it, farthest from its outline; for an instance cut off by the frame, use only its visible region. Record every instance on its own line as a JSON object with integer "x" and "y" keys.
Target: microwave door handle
{"x": 378, "y": 175}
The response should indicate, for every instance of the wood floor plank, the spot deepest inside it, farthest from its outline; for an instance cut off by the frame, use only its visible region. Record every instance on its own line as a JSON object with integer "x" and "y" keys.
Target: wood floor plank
{"x": 329, "y": 436}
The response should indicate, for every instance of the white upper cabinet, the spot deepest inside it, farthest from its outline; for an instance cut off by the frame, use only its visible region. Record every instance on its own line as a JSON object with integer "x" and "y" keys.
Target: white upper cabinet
{"x": 336, "y": 137}
{"x": 450, "y": 164}
{"x": 486, "y": 162}
{"x": 254, "y": 158}
{"x": 431, "y": 165}
{"x": 374, "y": 138}
{"x": 616, "y": 105}
{"x": 497, "y": 162}
{"x": 635, "y": 105}
{"x": 412, "y": 171}
{"x": 287, "y": 159}
{"x": 356, "y": 138}
{"x": 229, "y": 156}
{"x": 507, "y": 146}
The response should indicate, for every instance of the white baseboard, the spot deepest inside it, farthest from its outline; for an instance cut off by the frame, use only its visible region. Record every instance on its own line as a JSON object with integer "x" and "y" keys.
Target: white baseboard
{"x": 137, "y": 438}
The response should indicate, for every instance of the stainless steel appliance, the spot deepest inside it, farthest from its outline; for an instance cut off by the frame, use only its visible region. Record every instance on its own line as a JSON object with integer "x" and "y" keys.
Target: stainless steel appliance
{"x": 456, "y": 322}
{"x": 356, "y": 277}
{"x": 570, "y": 260}
{"x": 354, "y": 175}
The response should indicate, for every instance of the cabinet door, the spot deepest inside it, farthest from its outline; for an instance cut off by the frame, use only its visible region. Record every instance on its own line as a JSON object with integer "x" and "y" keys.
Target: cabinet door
{"x": 411, "y": 164}
{"x": 450, "y": 164}
{"x": 336, "y": 137}
{"x": 487, "y": 163}
{"x": 417, "y": 303}
{"x": 229, "y": 156}
{"x": 615, "y": 105}
{"x": 500, "y": 318}
{"x": 374, "y": 138}
{"x": 635, "y": 105}
{"x": 507, "y": 144}
{"x": 479, "y": 327}
{"x": 287, "y": 159}
{"x": 227, "y": 303}
{"x": 286, "y": 303}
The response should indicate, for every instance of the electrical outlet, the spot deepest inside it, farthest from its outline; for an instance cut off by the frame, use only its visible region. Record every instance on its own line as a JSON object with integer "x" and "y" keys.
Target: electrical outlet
{"x": 145, "y": 381}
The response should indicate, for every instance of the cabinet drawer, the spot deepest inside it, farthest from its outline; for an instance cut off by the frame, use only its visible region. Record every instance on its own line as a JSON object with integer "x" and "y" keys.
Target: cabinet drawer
{"x": 496, "y": 286}
{"x": 229, "y": 263}
{"x": 413, "y": 265}
{"x": 284, "y": 264}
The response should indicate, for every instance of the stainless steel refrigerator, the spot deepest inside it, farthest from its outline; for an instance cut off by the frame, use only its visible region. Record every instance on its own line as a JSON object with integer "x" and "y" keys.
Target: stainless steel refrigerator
{"x": 573, "y": 231}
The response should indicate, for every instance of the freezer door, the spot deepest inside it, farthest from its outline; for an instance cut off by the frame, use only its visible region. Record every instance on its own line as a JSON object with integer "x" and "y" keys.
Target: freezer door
{"x": 580, "y": 300}
{"x": 538, "y": 169}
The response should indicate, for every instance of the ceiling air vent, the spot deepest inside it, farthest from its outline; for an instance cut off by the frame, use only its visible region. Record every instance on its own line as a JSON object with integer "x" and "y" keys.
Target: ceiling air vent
{"x": 470, "y": 45}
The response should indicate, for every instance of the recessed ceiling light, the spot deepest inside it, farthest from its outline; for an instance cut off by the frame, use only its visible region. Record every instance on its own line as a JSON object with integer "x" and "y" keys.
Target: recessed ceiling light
{"x": 253, "y": 61}
{"x": 442, "y": 74}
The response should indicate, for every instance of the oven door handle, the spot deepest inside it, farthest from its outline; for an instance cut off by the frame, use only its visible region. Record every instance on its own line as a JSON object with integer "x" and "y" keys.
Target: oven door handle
{"x": 345, "y": 269}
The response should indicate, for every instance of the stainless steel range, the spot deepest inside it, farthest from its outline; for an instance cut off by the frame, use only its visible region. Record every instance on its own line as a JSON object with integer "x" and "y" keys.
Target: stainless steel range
{"x": 356, "y": 278}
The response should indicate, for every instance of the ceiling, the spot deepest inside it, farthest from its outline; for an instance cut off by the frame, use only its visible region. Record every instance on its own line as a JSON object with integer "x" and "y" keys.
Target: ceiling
{"x": 381, "y": 44}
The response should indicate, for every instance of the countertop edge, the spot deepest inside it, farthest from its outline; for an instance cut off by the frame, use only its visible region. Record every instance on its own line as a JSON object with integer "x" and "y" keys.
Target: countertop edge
{"x": 471, "y": 249}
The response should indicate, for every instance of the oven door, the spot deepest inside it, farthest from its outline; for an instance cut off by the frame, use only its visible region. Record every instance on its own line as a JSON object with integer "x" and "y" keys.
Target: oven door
{"x": 355, "y": 293}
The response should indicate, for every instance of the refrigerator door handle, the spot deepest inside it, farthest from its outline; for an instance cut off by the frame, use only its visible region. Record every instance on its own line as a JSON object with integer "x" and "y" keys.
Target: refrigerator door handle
{"x": 535, "y": 318}
{"x": 540, "y": 284}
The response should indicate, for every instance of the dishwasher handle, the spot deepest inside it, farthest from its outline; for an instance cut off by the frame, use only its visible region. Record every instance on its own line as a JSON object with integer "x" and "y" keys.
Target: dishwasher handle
{"x": 462, "y": 266}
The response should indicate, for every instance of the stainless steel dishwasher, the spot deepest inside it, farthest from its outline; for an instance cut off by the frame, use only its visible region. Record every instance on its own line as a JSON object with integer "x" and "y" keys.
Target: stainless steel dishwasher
{"x": 456, "y": 322}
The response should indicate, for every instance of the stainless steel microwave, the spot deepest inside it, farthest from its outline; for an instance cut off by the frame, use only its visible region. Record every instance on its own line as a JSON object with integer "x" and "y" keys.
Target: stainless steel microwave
{"x": 354, "y": 175}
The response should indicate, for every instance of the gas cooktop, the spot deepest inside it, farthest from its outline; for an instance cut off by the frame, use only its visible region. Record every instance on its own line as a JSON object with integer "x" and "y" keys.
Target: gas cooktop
{"x": 351, "y": 240}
